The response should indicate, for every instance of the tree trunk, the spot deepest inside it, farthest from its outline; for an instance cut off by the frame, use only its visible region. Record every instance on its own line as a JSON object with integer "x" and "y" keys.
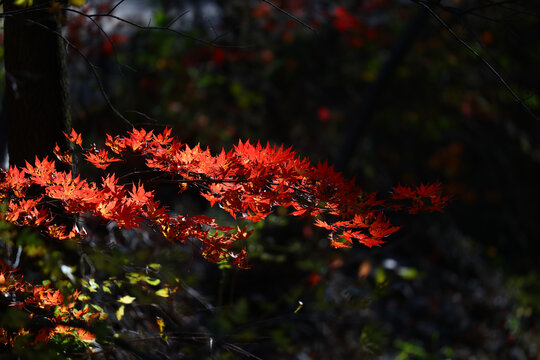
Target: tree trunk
{"x": 36, "y": 99}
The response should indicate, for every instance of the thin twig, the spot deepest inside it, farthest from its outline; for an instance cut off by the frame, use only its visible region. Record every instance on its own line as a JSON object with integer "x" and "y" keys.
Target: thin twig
{"x": 98, "y": 80}
{"x": 289, "y": 15}
{"x": 175, "y": 19}
{"x": 115, "y": 6}
{"x": 100, "y": 28}
{"x": 22, "y": 11}
{"x": 147, "y": 117}
{"x": 92, "y": 66}
{"x": 152, "y": 27}
{"x": 479, "y": 57}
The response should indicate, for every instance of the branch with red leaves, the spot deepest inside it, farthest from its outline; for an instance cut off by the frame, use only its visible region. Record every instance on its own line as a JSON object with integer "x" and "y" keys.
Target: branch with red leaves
{"x": 49, "y": 312}
{"x": 248, "y": 182}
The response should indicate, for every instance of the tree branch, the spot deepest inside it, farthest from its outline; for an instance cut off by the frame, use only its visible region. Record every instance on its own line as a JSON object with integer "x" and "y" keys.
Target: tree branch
{"x": 508, "y": 88}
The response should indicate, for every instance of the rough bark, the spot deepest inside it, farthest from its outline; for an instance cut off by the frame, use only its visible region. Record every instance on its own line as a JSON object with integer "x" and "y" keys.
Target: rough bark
{"x": 373, "y": 93}
{"x": 36, "y": 82}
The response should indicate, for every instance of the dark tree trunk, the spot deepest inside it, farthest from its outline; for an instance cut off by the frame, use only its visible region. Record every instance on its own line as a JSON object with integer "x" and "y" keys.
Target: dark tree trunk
{"x": 36, "y": 83}
{"x": 373, "y": 92}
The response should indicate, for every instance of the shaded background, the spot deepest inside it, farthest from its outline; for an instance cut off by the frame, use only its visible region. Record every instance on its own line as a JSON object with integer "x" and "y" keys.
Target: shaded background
{"x": 389, "y": 91}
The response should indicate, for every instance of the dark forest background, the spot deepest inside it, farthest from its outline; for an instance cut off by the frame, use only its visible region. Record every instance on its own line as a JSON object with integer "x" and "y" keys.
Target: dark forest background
{"x": 391, "y": 92}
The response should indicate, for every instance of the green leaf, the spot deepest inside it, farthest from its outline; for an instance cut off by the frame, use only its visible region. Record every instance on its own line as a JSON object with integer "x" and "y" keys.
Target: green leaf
{"x": 152, "y": 282}
{"x": 380, "y": 276}
{"x": 408, "y": 273}
{"x": 126, "y": 299}
{"x": 134, "y": 278}
{"x": 160, "y": 17}
{"x": 163, "y": 292}
{"x": 97, "y": 307}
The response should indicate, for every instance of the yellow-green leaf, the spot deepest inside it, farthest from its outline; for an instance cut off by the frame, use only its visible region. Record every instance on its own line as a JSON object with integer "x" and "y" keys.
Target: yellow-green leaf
{"x": 126, "y": 299}
{"x": 77, "y": 3}
{"x": 24, "y": 3}
{"x": 134, "y": 277}
{"x": 120, "y": 312}
{"x": 83, "y": 297}
{"x": 97, "y": 307}
{"x": 152, "y": 282}
{"x": 163, "y": 292}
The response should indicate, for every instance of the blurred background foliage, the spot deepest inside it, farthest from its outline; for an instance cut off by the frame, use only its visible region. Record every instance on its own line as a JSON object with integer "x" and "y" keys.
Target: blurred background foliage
{"x": 381, "y": 88}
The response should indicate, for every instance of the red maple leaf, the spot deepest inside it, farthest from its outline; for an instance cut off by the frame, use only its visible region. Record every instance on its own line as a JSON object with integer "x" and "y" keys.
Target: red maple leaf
{"x": 74, "y": 137}
{"x": 101, "y": 159}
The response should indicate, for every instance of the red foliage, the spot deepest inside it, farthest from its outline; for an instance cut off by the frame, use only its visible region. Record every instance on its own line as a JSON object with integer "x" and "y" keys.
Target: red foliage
{"x": 324, "y": 114}
{"x": 344, "y": 21}
{"x": 218, "y": 57}
{"x": 422, "y": 198}
{"x": 54, "y": 312}
{"x": 248, "y": 182}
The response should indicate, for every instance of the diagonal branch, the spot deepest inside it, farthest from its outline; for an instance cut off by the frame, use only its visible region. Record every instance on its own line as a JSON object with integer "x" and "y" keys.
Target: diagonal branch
{"x": 508, "y": 88}
{"x": 153, "y": 27}
{"x": 289, "y": 15}
{"x": 94, "y": 71}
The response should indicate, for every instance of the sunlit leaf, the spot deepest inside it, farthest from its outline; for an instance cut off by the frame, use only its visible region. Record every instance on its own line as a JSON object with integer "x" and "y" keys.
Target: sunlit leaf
{"x": 97, "y": 307}
{"x": 408, "y": 273}
{"x": 163, "y": 292}
{"x": 126, "y": 299}
{"x": 161, "y": 326}
{"x": 120, "y": 312}
{"x": 24, "y": 3}
{"x": 152, "y": 282}
{"x": 77, "y": 3}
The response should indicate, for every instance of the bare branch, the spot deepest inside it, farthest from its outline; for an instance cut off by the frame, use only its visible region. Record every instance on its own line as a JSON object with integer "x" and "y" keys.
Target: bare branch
{"x": 115, "y": 6}
{"x": 289, "y": 15}
{"x": 22, "y": 11}
{"x": 153, "y": 27}
{"x": 175, "y": 19}
{"x": 516, "y": 97}
{"x": 92, "y": 67}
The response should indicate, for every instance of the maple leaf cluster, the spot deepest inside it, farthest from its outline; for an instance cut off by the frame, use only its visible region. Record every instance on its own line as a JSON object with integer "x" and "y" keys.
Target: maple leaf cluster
{"x": 248, "y": 182}
{"x": 345, "y": 21}
{"x": 50, "y": 312}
